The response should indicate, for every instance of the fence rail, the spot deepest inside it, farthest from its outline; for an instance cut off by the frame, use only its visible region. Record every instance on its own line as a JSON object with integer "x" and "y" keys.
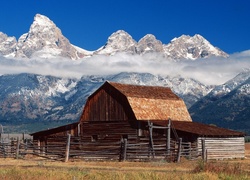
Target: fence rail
{"x": 111, "y": 148}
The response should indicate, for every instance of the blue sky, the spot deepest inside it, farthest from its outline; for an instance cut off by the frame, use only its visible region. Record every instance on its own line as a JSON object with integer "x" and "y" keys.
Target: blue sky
{"x": 88, "y": 24}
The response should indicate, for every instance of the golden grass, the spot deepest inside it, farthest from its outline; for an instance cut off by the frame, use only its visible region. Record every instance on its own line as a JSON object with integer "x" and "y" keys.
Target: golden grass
{"x": 35, "y": 168}
{"x": 12, "y": 169}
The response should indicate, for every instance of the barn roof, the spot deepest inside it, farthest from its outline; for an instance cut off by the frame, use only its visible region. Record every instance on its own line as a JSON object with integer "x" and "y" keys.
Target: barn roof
{"x": 153, "y": 102}
{"x": 148, "y": 92}
{"x": 199, "y": 128}
{"x": 55, "y": 130}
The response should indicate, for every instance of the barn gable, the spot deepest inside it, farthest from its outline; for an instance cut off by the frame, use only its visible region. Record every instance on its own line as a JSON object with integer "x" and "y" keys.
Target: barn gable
{"x": 115, "y": 101}
{"x": 107, "y": 104}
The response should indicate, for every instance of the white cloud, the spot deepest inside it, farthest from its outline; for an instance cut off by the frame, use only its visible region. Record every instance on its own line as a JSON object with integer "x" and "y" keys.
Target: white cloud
{"x": 208, "y": 71}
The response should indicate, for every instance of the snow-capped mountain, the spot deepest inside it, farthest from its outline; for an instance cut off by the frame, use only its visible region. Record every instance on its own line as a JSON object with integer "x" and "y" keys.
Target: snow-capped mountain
{"x": 7, "y": 45}
{"x": 184, "y": 47}
{"x": 32, "y": 96}
{"x": 26, "y": 98}
{"x": 29, "y": 98}
{"x": 226, "y": 105}
{"x": 119, "y": 41}
{"x": 149, "y": 44}
{"x": 230, "y": 85}
{"x": 45, "y": 40}
{"x": 191, "y": 47}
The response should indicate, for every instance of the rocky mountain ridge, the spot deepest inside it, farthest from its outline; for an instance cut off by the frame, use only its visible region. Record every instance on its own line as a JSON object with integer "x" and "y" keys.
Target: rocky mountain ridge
{"x": 188, "y": 47}
{"x": 28, "y": 98}
{"x": 45, "y": 40}
{"x": 34, "y": 98}
{"x": 7, "y": 45}
{"x": 227, "y": 105}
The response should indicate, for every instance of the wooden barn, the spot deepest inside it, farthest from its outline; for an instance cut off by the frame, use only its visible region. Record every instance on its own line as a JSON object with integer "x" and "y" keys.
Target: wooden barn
{"x": 131, "y": 122}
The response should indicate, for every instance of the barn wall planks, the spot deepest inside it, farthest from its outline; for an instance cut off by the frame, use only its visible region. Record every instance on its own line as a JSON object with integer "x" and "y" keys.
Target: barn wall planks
{"x": 107, "y": 105}
{"x": 223, "y": 148}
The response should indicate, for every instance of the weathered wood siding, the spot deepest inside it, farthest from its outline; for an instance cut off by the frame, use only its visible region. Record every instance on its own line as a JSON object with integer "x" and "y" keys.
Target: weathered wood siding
{"x": 107, "y": 104}
{"x": 223, "y": 148}
{"x": 104, "y": 129}
{"x": 59, "y": 131}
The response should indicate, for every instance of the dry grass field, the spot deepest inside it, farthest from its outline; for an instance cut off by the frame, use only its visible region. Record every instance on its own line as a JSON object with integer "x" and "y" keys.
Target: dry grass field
{"x": 35, "y": 168}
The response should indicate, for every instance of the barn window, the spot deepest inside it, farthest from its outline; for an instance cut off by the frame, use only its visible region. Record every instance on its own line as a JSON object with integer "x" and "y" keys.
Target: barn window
{"x": 94, "y": 138}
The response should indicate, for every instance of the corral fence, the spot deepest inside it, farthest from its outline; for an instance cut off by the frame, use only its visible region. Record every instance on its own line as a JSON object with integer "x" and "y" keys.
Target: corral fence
{"x": 142, "y": 150}
{"x": 112, "y": 148}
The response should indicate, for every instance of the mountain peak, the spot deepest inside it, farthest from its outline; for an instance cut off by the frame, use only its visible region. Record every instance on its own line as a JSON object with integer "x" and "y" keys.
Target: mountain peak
{"x": 7, "y": 45}
{"x": 42, "y": 20}
{"x": 45, "y": 40}
{"x": 119, "y": 33}
{"x": 191, "y": 47}
{"x": 149, "y": 36}
{"x": 119, "y": 41}
{"x": 149, "y": 43}
{"x": 198, "y": 36}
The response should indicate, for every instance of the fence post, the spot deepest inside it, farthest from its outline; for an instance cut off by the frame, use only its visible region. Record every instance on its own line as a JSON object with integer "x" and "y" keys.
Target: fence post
{"x": 121, "y": 150}
{"x": 150, "y": 126}
{"x": 203, "y": 149}
{"x": 189, "y": 150}
{"x": 125, "y": 149}
{"x": 179, "y": 150}
{"x": 79, "y": 130}
{"x": 4, "y": 151}
{"x": 206, "y": 155}
{"x": 12, "y": 147}
{"x": 39, "y": 146}
{"x": 17, "y": 147}
{"x": 67, "y": 149}
{"x": 26, "y": 146}
{"x": 168, "y": 137}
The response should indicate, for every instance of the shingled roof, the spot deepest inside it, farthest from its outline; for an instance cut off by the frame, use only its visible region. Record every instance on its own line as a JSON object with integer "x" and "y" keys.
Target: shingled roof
{"x": 200, "y": 129}
{"x": 142, "y": 91}
{"x": 153, "y": 102}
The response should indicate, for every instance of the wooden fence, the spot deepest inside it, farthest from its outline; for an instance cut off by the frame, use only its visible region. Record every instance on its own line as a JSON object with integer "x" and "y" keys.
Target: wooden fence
{"x": 14, "y": 148}
{"x": 111, "y": 148}
{"x": 223, "y": 148}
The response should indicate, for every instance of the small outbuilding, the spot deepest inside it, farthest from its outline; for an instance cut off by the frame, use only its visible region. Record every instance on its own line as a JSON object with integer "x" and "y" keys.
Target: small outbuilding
{"x": 122, "y": 121}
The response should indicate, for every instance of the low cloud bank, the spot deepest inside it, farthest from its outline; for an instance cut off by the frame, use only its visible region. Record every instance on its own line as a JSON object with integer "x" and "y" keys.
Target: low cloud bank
{"x": 208, "y": 71}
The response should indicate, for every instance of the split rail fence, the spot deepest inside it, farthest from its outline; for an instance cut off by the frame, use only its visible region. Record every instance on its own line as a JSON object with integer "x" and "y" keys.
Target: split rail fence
{"x": 110, "y": 149}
